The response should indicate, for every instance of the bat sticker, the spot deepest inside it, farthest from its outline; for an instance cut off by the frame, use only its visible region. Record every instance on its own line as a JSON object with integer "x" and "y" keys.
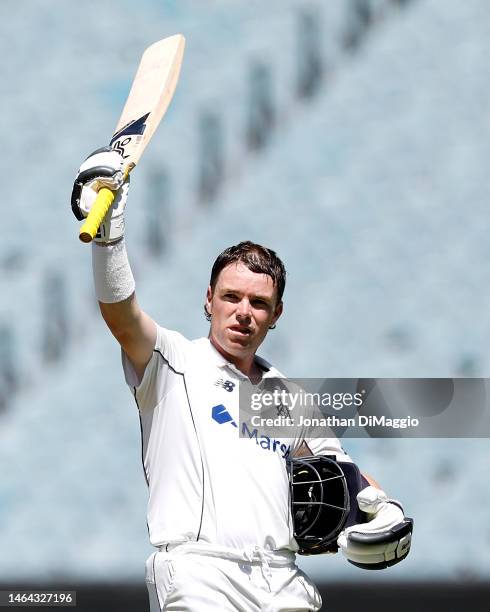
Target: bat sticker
{"x": 133, "y": 128}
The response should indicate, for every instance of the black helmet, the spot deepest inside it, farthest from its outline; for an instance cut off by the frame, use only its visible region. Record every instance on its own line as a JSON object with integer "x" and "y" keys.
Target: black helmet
{"x": 321, "y": 493}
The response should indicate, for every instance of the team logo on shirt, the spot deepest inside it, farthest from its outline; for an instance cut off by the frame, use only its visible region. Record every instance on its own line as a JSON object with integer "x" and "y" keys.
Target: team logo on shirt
{"x": 283, "y": 411}
{"x": 227, "y": 385}
{"x": 221, "y": 415}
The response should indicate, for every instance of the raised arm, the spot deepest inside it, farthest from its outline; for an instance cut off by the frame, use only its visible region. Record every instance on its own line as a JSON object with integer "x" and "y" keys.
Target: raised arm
{"x": 114, "y": 283}
{"x": 133, "y": 329}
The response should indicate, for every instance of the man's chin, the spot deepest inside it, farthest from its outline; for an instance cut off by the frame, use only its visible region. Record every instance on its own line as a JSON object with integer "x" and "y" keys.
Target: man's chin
{"x": 237, "y": 346}
{"x": 234, "y": 338}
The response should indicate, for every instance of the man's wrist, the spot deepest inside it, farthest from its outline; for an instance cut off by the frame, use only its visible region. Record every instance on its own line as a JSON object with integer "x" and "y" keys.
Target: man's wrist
{"x": 106, "y": 244}
{"x": 113, "y": 278}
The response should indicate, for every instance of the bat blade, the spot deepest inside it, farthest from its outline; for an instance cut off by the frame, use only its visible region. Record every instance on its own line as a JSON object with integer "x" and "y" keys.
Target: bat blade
{"x": 150, "y": 95}
{"x": 151, "y": 92}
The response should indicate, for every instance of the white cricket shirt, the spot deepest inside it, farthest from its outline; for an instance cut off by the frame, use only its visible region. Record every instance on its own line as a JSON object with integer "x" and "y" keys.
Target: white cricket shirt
{"x": 205, "y": 482}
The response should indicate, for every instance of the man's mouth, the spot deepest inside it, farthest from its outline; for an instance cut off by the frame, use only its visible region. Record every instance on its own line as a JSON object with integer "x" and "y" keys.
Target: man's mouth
{"x": 241, "y": 330}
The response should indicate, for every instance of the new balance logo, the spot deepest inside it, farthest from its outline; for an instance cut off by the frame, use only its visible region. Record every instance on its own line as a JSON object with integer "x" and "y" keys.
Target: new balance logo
{"x": 227, "y": 385}
{"x": 221, "y": 415}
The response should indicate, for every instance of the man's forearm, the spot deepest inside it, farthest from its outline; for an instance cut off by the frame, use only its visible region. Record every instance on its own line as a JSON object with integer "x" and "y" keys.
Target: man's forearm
{"x": 113, "y": 278}
{"x": 114, "y": 287}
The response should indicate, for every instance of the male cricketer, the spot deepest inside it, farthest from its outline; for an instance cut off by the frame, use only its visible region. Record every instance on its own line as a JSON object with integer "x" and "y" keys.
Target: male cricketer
{"x": 219, "y": 511}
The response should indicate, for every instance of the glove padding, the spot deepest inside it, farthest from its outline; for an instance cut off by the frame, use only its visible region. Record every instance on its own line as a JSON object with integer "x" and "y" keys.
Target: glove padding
{"x": 102, "y": 168}
{"x": 384, "y": 540}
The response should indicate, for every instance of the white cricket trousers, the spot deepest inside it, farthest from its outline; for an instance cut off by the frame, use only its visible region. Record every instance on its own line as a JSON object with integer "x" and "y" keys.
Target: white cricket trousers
{"x": 198, "y": 578}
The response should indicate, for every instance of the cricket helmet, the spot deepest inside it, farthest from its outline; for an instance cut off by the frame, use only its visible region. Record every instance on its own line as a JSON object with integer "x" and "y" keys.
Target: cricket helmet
{"x": 321, "y": 490}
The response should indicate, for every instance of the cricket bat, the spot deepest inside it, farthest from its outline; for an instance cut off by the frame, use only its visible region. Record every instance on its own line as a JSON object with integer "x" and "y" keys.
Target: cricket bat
{"x": 151, "y": 92}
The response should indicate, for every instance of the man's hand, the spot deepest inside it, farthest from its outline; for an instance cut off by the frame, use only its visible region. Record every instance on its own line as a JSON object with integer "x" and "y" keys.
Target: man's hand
{"x": 102, "y": 168}
{"x": 384, "y": 540}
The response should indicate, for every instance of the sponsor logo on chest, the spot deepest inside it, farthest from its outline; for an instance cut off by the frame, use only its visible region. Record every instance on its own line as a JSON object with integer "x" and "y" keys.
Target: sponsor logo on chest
{"x": 222, "y": 416}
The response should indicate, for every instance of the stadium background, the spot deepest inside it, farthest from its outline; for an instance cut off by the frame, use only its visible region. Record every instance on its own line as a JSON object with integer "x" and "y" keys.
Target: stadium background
{"x": 352, "y": 136}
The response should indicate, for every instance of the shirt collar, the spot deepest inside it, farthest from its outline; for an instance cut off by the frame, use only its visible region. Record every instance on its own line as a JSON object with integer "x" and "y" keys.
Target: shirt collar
{"x": 221, "y": 362}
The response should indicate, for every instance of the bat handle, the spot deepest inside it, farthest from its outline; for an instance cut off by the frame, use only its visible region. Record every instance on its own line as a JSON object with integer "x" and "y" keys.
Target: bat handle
{"x": 102, "y": 203}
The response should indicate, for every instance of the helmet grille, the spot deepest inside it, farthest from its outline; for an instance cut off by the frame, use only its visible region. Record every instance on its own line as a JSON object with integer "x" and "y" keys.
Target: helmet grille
{"x": 319, "y": 502}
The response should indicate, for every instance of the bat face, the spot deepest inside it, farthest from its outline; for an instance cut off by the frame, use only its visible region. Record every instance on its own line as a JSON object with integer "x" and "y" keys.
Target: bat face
{"x": 151, "y": 93}
{"x": 152, "y": 89}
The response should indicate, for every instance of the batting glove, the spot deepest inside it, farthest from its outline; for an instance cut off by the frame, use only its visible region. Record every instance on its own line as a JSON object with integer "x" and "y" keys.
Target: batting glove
{"x": 384, "y": 540}
{"x": 102, "y": 168}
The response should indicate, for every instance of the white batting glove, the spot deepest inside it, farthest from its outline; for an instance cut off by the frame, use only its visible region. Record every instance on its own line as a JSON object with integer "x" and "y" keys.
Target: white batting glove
{"x": 384, "y": 540}
{"x": 102, "y": 168}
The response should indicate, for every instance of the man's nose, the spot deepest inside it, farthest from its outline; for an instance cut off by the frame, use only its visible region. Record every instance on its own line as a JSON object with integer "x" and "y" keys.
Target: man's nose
{"x": 243, "y": 308}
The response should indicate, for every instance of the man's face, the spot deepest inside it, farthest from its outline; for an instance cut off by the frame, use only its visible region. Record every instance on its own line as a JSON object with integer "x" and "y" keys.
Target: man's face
{"x": 243, "y": 306}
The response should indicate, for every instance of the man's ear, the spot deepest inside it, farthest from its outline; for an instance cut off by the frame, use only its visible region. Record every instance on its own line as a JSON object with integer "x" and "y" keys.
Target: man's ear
{"x": 277, "y": 313}
{"x": 209, "y": 299}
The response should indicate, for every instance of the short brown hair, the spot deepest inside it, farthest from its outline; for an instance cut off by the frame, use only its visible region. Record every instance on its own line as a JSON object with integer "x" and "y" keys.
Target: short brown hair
{"x": 257, "y": 259}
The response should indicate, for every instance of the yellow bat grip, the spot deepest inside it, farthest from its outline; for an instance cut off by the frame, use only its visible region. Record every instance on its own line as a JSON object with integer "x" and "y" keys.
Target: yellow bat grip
{"x": 102, "y": 203}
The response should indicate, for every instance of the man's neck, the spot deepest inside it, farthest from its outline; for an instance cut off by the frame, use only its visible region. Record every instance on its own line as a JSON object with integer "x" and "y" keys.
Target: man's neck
{"x": 247, "y": 365}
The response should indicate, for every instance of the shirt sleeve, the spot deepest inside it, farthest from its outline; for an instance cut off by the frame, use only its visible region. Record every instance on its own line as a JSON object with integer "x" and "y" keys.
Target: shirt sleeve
{"x": 328, "y": 446}
{"x": 165, "y": 369}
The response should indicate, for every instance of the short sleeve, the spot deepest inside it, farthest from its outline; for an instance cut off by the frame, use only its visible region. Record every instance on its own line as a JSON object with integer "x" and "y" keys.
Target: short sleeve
{"x": 328, "y": 446}
{"x": 165, "y": 368}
